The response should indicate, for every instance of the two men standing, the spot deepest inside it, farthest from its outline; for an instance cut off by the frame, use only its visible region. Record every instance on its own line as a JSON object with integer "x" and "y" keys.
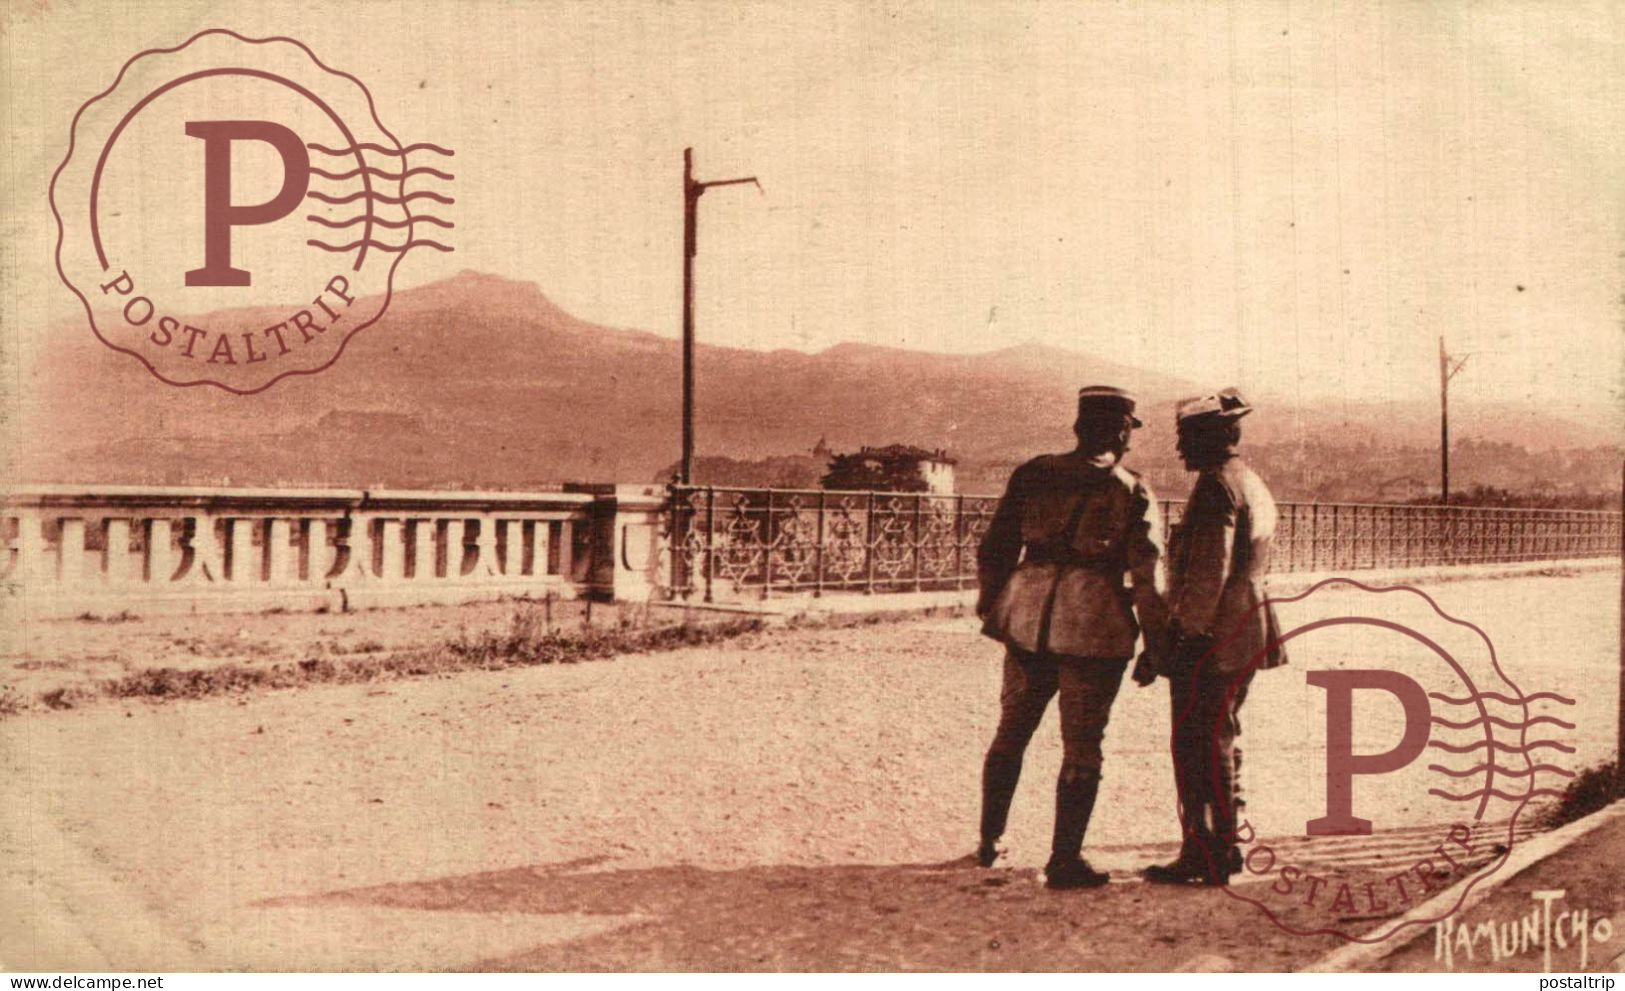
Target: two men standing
{"x": 1071, "y": 574}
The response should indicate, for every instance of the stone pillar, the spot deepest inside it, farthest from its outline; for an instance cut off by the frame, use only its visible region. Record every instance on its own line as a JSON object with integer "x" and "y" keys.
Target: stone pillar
{"x": 71, "y": 551}
{"x": 392, "y": 540}
{"x": 117, "y": 564}
{"x": 161, "y": 562}
{"x": 32, "y": 567}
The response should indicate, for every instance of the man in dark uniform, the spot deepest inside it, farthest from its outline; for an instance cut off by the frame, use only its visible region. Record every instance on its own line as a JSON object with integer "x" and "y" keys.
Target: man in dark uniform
{"x": 1073, "y": 552}
{"x": 1221, "y": 630}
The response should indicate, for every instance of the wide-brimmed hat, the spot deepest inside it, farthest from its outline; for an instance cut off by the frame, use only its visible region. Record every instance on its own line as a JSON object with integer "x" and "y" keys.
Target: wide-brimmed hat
{"x": 1226, "y": 404}
{"x": 1107, "y": 397}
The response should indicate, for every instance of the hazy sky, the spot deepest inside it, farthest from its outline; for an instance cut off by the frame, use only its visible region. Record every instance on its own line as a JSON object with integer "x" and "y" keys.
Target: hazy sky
{"x": 1297, "y": 197}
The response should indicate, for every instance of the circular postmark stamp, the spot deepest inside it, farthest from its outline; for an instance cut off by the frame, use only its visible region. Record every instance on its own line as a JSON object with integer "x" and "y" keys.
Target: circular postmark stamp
{"x": 1397, "y": 768}
{"x": 232, "y": 210}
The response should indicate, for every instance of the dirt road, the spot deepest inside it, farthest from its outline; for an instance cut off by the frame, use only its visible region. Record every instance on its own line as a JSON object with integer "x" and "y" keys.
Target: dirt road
{"x": 784, "y": 800}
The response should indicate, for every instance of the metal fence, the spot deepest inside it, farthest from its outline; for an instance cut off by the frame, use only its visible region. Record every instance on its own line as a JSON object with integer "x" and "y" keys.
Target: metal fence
{"x": 728, "y": 540}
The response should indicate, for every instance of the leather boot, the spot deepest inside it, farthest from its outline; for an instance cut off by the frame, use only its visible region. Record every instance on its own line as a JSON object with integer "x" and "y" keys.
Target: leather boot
{"x": 1075, "y": 794}
{"x": 1000, "y": 773}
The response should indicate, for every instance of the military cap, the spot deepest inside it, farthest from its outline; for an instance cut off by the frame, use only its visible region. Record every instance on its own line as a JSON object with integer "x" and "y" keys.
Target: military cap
{"x": 1226, "y": 404}
{"x": 1107, "y": 397}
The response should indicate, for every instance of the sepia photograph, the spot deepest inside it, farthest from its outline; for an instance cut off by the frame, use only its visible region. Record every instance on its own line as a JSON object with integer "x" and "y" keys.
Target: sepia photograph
{"x": 675, "y": 487}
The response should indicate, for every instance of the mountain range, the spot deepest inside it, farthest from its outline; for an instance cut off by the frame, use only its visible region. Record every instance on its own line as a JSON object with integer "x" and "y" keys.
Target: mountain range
{"x": 482, "y": 382}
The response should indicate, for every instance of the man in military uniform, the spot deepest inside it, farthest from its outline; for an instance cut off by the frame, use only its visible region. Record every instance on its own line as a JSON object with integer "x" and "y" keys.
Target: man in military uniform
{"x": 1072, "y": 554}
{"x": 1220, "y": 631}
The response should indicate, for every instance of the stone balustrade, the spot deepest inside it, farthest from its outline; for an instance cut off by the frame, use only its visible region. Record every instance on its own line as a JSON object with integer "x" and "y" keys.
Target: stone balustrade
{"x": 70, "y": 550}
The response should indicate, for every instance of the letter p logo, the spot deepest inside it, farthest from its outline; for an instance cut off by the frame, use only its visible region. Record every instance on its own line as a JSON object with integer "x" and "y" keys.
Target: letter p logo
{"x": 1342, "y": 763}
{"x": 219, "y": 216}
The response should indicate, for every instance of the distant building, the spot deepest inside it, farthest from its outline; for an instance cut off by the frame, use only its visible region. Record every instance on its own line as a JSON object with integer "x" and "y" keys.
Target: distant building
{"x": 894, "y": 468}
{"x": 1402, "y": 489}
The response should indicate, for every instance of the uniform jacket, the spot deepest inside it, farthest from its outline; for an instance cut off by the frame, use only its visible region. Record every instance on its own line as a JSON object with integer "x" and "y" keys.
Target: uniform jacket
{"x": 1073, "y": 551}
{"x": 1217, "y": 565}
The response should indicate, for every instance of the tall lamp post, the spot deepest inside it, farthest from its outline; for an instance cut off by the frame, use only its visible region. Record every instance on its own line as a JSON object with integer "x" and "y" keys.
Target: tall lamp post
{"x": 1447, "y": 371}
{"x": 692, "y": 190}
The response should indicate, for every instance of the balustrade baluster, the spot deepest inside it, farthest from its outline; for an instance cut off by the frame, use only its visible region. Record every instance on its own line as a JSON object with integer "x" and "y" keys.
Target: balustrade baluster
{"x": 321, "y": 550}
{"x": 71, "y": 551}
{"x": 32, "y": 566}
{"x": 453, "y": 549}
{"x": 959, "y": 541}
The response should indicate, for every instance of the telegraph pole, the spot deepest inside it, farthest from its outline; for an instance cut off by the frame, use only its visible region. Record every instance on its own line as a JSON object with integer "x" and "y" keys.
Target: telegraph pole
{"x": 691, "y": 201}
{"x": 1447, "y": 371}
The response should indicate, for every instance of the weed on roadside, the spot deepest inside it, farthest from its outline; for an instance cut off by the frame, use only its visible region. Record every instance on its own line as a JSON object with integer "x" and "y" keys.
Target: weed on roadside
{"x": 528, "y": 641}
{"x": 1587, "y": 792}
{"x": 123, "y": 616}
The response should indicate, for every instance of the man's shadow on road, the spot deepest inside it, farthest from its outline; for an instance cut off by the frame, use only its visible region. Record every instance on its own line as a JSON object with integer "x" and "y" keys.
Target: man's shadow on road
{"x": 928, "y": 916}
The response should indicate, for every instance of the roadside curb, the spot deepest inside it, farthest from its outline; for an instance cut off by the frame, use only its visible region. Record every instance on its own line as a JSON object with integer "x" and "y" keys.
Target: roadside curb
{"x": 854, "y": 607}
{"x": 1360, "y": 956}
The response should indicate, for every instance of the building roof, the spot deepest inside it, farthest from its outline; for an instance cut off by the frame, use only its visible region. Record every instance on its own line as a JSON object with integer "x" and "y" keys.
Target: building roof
{"x": 906, "y": 452}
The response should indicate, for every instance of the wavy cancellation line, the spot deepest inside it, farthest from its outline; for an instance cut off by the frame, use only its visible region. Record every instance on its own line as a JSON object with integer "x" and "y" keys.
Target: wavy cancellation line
{"x": 1498, "y": 697}
{"x": 422, "y": 218}
{"x": 379, "y": 197}
{"x": 1505, "y": 796}
{"x": 380, "y": 149}
{"x": 381, "y": 246}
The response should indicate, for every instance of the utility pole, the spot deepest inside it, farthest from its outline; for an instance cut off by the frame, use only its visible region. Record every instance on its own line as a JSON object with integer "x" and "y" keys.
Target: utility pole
{"x": 1447, "y": 371}
{"x": 691, "y": 201}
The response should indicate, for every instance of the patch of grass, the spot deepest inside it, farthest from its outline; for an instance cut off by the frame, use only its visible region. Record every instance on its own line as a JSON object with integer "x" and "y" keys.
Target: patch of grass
{"x": 529, "y": 641}
{"x": 123, "y": 616}
{"x": 1587, "y": 792}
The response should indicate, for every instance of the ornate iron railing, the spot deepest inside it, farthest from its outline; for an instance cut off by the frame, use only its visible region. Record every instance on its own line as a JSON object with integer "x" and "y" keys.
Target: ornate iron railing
{"x": 724, "y": 541}
{"x": 727, "y": 539}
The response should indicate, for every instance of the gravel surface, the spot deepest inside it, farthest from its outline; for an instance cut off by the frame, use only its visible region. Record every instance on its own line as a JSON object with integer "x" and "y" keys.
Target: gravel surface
{"x": 785, "y": 800}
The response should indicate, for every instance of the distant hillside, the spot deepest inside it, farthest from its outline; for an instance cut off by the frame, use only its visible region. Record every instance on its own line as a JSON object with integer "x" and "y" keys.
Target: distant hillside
{"x": 478, "y": 382}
